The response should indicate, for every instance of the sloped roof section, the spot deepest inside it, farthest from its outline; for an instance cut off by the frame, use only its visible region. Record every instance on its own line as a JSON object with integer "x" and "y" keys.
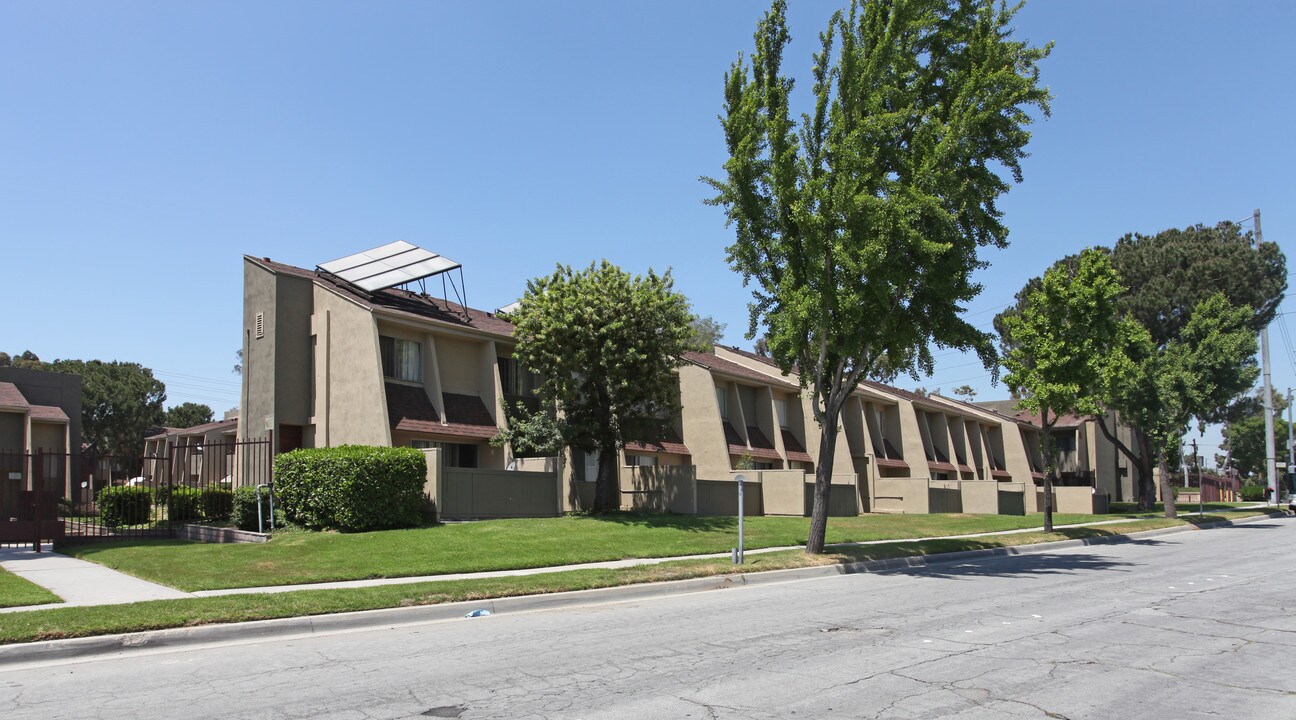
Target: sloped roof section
{"x": 733, "y": 369}
{"x": 793, "y": 447}
{"x": 48, "y": 413}
{"x": 668, "y": 442}
{"x": 400, "y": 302}
{"x": 409, "y": 409}
{"x": 10, "y": 396}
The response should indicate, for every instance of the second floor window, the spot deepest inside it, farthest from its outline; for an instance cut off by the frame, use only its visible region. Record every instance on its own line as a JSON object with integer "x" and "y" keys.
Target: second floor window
{"x": 401, "y": 359}
{"x": 781, "y": 409}
{"x": 722, "y": 399}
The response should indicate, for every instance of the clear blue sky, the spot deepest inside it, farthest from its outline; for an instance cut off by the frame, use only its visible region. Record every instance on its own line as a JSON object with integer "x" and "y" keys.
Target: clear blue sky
{"x": 144, "y": 147}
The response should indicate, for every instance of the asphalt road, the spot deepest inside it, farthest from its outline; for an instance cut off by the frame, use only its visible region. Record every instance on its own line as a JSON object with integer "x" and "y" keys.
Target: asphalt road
{"x": 1192, "y": 625}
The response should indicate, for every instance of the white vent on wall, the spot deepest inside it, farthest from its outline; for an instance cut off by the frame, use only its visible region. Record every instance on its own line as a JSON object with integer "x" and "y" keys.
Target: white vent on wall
{"x": 260, "y": 325}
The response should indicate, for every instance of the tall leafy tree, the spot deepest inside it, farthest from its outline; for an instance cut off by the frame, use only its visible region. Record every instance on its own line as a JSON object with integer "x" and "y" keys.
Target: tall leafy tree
{"x": 1070, "y": 343}
{"x": 27, "y": 359}
{"x": 860, "y": 225}
{"x": 1167, "y": 277}
{"x": 119, "y": 401}
{"x": 707, "y": 332}
{"x": 187, "y": 415}
{"x": 606, "y": 345}
{"x": 1244, "y": 434}
{"x": 1193, "y": 376}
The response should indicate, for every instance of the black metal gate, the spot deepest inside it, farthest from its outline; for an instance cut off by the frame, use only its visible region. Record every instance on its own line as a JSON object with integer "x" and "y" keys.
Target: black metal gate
{"x": 107, "y": 497}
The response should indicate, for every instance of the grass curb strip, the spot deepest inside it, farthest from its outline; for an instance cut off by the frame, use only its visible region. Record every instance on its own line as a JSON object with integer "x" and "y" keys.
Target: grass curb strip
{"x": 305, "y": 626}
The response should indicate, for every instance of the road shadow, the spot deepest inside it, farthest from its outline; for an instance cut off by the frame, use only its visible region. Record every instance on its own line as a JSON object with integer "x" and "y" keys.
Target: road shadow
{"x": 1034, "y": 564}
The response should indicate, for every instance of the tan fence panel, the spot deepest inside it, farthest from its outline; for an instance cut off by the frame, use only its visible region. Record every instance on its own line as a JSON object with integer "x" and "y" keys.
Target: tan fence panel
{"x": 980, "y": 497}
{"x": 781, "y": 492}
{"x": 901, "y": 495}
{"x": 944, "y": 496}
{"x": 659, "y": 488}
{"x": 720, "y": 497}
{"x": 1012, "y": 498}
{"x": 470, "y": 493}
{"x": 843, "y": 498}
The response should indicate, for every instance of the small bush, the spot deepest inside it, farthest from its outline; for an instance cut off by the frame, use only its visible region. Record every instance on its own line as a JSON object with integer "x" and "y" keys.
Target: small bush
{"x": 125, "y": 505}
{"x": 244, "y": 514}
{"x": 353, "y": 487}
{"x": 217, "y": 504}
{"x": 1255, "y": 493}
{"x": 183, "y": 505}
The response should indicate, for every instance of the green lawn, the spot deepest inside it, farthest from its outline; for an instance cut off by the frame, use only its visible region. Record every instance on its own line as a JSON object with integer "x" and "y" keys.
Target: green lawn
{"x": 307, "y": 557}
{"x": 158, "y": 614}
{"x": 15, "y": 592}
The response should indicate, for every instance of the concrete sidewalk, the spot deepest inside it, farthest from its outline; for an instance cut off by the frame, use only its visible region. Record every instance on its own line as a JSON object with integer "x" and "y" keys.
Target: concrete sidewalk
{"x": 79, "y": 582}
{"x": 82, "y": 583}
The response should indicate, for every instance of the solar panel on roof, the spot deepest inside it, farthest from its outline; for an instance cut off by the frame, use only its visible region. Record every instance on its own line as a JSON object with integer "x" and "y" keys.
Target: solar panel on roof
{"x": 387, "y": 266}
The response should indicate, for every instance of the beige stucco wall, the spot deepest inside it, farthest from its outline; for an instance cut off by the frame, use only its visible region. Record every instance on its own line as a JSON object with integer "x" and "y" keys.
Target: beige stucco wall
{"x": 257, "y": 396}
{"x": 461, "y": 366}
{"x": 900, "y": 495}
{"x": 980, "y": 497}
{"x": 782, "y": 491}
{"x": 912, "y": 441}
{"x": 351, "y": 401}
{"x": 701, "y": 424}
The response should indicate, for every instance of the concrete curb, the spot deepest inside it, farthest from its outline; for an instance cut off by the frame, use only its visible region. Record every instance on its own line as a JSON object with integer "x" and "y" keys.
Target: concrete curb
{"x": 305, "y": 626}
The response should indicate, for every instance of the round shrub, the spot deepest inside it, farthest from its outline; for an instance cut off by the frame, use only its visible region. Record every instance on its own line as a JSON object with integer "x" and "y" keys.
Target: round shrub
{"x": 353, "y": 487}
{"x": 1255, "y": 493}
{"x": 183, "y": 504}
{"x": 217, "y": 504}
{"x": 244, "y": 515}
{"x": 125, "y": 505}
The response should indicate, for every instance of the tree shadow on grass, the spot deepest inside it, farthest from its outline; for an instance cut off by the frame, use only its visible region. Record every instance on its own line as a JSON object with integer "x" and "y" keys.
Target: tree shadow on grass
{"x": 655, "y": 521}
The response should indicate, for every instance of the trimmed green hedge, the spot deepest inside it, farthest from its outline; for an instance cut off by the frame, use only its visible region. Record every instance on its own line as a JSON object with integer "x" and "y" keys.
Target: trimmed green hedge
{"x": 353, "y": 487}
{"x": 244, "y": 512}
{"x": 217, "y": 504}
{"x": 1255, "y": 493}
{"x": 182, "y": 505}
{"x": 125, "y": 505}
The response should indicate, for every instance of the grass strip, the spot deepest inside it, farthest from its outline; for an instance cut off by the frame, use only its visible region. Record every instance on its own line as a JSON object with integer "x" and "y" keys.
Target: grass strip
{"x": 158, "y": 614}
{"x": 300, "y": 557}
{"x": 17, "y": 592}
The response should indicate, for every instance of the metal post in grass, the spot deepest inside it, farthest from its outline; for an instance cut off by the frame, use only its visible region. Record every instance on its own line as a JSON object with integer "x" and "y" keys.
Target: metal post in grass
{"x": 738, "y": 551}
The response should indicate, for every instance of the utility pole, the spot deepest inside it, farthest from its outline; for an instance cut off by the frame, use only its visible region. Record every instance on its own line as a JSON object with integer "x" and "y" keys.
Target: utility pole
{"x": 1201, "y": 491}
{"x": 1291, "y": 452}
{"x": 1271, "y": 461}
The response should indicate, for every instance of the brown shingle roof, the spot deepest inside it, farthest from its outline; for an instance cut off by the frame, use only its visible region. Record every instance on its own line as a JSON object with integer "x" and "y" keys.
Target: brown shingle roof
{"x": 48, "y": 413}
{"x": 668, "y": 442}
{"x": 400, "y": 301}
{"x": 203, "y": 429}
{"x": 410, "y": 410}
{"x": 720, "y": 365}
{"x": 793, "y": 447}
{"x": 11, "y": 397}
{"x": 761, "y": 448}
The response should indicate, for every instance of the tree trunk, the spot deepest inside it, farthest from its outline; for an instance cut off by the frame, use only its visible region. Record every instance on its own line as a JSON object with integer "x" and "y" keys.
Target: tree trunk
{"x": 607, "y": 491}
{"x": 823, "y": 483}
{"x": 1050, "y": 446}
{"x": 1167, "y": 492}
{"x": 1146, "y": 485}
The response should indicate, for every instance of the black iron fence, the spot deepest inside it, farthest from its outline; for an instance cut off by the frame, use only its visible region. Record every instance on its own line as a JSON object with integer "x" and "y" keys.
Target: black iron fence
{"x": 101, "y": 497}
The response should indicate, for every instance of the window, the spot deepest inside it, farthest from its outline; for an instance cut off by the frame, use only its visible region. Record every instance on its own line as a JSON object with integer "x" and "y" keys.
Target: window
{"x": 455, "y": 455}
{"x": 641, "y": 461}
{"x": 515, "y": 380}
{"x": 781, "y": 409}
{"x": 722, "y": 399}
{"x": 401, "y": 359}
{"x": 1065, "y": 440}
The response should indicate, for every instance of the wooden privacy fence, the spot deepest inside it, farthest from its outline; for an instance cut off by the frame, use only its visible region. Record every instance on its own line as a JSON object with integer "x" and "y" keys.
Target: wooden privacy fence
{"x": 470, "y": 493}
{"x": 720, "y": 497}
{"x": 659, "y": 488}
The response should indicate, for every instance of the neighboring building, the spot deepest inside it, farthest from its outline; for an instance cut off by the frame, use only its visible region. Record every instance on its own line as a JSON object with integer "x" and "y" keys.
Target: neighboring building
{"x": 326, "y": 364}
{"x": 203, "y": 453}
{"x": 329, "y": 361}
{"x": 40, "y": 426}
{"x": 1087, "y": 457}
